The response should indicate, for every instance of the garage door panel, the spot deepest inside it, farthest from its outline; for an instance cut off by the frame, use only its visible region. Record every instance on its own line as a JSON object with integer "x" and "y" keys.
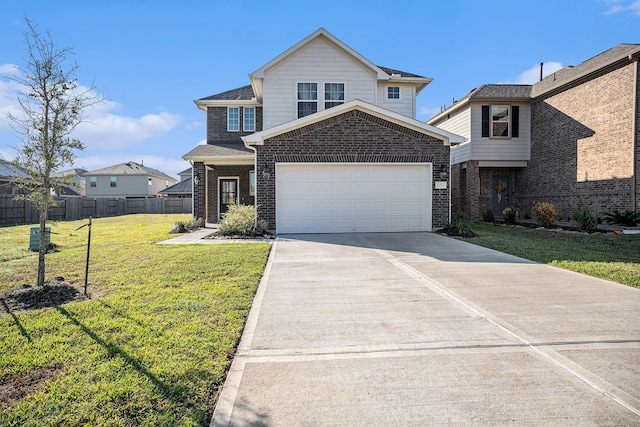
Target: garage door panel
{"x": 352, "y": 197}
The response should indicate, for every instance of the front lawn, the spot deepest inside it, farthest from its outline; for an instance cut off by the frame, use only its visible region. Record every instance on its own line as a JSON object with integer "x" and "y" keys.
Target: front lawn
{"x": 608, "y": 256}
{"x": 152, "y": 344}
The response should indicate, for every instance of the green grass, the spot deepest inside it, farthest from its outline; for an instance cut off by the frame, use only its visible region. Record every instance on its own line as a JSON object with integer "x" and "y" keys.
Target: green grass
{"x": 153, "y": 344}
{"x": 611, "y": 257}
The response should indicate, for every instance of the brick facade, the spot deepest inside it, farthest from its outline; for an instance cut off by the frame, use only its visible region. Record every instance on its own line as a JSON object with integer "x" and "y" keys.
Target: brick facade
{"x": 217, "y": 124}
{"x": 581, "y": 147}
{"x": 351, "y": 137}
{"x": 241, "y": 172}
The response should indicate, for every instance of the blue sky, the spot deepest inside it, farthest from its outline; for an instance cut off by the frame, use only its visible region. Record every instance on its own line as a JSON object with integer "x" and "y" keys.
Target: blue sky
{"x": 151, "y": 59}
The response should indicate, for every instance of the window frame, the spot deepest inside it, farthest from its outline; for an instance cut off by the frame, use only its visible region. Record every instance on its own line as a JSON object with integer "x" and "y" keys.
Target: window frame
{"x": 237, "y": 110}
{"x": 302, "y": 100}
{"x": 492, "y": 122}
{"x": 252, "y": 183}
{"x": 149, "y": 181}
{"x": 245, "y": 120}
{"x": 335, "y": 102}
{"x": 93, "y": 181}
{"x": 388, "y": 98}
{"x": 113, "y": 181}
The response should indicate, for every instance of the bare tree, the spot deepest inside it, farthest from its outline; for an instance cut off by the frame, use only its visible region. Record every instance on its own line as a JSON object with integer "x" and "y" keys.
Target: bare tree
{"x": 52, "y": 105}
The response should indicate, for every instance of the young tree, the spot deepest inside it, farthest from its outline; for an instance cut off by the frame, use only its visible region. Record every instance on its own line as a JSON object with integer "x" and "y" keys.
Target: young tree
{"x": 52, "y": 105}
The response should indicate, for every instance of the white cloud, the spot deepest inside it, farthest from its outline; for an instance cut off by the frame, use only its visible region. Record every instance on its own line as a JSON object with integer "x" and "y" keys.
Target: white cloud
{"x": 425, "y": 113}
{"x": 620, "y": 6}
{"x": 103, "y": 128}
{"x": 532, "y": 75}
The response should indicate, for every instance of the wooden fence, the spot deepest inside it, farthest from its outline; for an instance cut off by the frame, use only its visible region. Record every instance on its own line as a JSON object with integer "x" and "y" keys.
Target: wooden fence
{"x": 74, "y": 207}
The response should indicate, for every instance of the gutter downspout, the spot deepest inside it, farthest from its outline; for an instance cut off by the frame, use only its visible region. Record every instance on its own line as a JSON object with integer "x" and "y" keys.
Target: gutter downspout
{"x": 255, "y": 172}
{"x": 634, "y": 136}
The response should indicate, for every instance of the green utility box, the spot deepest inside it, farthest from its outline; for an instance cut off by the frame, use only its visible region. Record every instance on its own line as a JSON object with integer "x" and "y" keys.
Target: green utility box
{"x": 34, "y": 238}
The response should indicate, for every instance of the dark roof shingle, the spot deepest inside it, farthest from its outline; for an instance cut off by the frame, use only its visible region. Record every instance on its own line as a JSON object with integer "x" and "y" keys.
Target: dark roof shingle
{"x": 244, "y": 93}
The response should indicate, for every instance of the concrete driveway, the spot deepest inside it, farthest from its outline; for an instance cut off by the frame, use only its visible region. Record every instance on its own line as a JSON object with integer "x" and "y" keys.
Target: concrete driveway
{"x": 420, "y": 329}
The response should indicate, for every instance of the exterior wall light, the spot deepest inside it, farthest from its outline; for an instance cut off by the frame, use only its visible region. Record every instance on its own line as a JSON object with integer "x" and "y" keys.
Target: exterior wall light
{"x": 266, "y": 172}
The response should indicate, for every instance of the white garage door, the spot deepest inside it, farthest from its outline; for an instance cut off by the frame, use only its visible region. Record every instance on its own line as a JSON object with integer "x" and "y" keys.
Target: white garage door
{"x": 339, "y": 198}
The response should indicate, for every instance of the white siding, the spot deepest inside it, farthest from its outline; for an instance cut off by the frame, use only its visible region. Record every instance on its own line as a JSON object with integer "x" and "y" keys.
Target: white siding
{"x": 500, "y": 148}
{"x": 320, "y": 61}
{"x": 458, "y": 123}
{"x": 460, "y": 153}
{"x": 126, "y": 186}
{"x": 405, "y": 105}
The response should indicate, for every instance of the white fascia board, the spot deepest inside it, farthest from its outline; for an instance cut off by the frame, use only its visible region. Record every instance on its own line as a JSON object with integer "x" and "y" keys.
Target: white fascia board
{"x": 448, "y": 137}
{"x": 502, "y": 163}
{"x": 321, "y": 32}
{"x": 419, "y": 82}
{"x": 223, "y": 160}
{"x": 203, "y": 104}
{"x": 443, "y": 115}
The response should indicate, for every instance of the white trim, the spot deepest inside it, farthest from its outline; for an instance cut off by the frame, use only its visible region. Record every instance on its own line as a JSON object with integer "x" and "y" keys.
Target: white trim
{"x": 203, "y": 104}
{"x": 219, "y": 193}
{"x": 491, "y": 121}
{"x": 229, "y": 117}
{"x": 386, "y": 95}
{"x": 429, "y": 179}
{"x": 244, "y": 119}
{"x": 223, "y": 160}
{"x": 448, "y": 138}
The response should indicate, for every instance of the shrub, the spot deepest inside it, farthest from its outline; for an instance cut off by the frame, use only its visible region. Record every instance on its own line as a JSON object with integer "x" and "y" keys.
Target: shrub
{"x": 510, "y": 215}
{"x": 188, "y": 225}
{"x": 239, "y": 220}
{"x": 460, "y": 221}
{"x": 628, "y": 218}
{"x": 545, "y": 213}
{"x": 487, "y": 216}
{"x": 585, "y": 220}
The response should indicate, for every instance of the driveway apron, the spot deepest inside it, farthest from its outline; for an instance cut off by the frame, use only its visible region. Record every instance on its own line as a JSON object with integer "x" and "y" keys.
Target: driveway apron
{"x": 420, "y": 329}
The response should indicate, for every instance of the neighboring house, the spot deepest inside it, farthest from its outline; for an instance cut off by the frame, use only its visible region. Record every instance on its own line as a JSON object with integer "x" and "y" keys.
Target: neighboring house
{"x": 78, "y": 186}
{"x": 130, "y": 180}
{"x": 8, "y": 175}
{"x": 183, "y": 188}
{"x": 323, "y": 140}
{"x": 569, "y": 139}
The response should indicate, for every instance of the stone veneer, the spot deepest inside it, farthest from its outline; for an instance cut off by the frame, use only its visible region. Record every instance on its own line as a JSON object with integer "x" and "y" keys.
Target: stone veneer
{"x": 351, "y": 137}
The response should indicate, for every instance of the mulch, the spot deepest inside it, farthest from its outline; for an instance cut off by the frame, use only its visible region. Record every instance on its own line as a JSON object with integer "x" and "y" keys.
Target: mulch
{"x": 32, "y": 297}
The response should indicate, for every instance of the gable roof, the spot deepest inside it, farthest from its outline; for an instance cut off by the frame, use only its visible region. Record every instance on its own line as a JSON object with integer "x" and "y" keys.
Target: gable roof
{"x": 616, "y": 56}
{"x": 356, "y": 104}
{"x": 130, "y": 168}
{"x": 181, "y": 187}
{"x": 221, "y": 152}
{"x": 73, "y": 172}
{"x": 511, "y": 92}
{"x": 8, "y": 170}
{"x": 609, "y": 58}
{"x": 382, "y": 73}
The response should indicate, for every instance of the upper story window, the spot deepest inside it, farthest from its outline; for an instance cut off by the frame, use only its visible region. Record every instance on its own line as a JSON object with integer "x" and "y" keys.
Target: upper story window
{"x": 393, "y": 92}
{"x": 114, "y": 181}
{"x": 150, "y": 181}
{"x": 233, "y": 119}
{"x": 93, "y": 181}
{"x": 249, "y": 119}
{"x": 333, "y": 94}
{"x": 500, "y": 121}
{"x": 307, "y": 99}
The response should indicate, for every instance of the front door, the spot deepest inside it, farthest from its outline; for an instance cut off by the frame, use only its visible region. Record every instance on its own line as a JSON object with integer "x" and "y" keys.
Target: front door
{"x": 228, "y": 193}
{"x": 500, "y": 191}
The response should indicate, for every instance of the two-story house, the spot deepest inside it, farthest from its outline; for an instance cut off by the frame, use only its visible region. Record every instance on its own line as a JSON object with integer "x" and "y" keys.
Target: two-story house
{"x": 569, "y": 139}
{"x": 323, "y": 140}
{"x": 128, "y": 180}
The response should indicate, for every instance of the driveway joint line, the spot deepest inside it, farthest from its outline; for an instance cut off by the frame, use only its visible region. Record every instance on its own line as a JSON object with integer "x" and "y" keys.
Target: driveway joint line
{"x": 433, "y": 285}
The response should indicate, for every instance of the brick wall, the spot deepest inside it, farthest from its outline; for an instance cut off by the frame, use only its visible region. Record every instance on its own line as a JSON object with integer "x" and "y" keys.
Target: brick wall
{"x": 217, "y": 124}
{"x": 351, "y": 137}
{"x": 581, "y": 147}
{"x": 240, "y": 172}
{"x": 198, "y": 190}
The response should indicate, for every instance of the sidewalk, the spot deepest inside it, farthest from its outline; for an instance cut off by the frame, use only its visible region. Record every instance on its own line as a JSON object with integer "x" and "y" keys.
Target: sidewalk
{"x": 198, "y": 238}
